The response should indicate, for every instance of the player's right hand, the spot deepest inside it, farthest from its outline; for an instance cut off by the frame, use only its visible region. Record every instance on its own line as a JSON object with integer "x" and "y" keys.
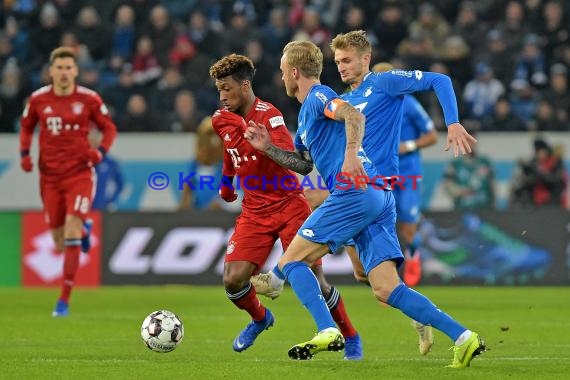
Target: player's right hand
{"x": 26, "y": 163}
{"x": 228, "y": 194}
{"x": 95, "y": 156}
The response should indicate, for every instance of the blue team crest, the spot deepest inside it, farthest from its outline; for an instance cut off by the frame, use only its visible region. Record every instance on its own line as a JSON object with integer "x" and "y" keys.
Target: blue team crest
{"x": 368, "y": 91}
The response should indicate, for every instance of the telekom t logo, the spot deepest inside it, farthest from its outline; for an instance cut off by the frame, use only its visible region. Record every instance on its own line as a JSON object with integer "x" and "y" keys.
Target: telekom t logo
{"x": 54, "y": 124}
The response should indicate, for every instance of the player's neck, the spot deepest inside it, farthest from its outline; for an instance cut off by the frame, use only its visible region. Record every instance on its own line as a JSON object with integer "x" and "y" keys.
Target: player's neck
{"x": 243, "y": 111}
{"x": 304, "y": 86}
{"x": 358, "y": 82}
{"x": 61, "y": 91}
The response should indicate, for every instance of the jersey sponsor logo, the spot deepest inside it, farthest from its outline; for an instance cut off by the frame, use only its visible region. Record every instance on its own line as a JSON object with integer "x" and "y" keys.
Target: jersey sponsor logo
{"x": 54, "y": 124}
{"x": 276, "y": 121}
{"x": 403, "y": 73}
{"x": 77, "y": 108}
{"x": 322, "y": 97}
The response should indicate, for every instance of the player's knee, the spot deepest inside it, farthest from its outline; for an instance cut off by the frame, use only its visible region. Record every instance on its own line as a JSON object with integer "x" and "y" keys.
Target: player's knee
{"x": 235, "y": 279}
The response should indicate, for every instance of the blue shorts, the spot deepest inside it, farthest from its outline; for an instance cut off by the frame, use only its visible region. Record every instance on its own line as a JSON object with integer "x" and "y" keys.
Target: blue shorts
{"x": 367, "y": 216}
{"x": 408, "y": 203}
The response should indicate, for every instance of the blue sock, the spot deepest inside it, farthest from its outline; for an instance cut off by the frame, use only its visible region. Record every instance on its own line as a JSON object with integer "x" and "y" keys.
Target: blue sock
{"x": 419, "y": 308}
{"x": 413, "y": 246}
{"x": 306, "y": 287}
{"x": 276, "y": 271}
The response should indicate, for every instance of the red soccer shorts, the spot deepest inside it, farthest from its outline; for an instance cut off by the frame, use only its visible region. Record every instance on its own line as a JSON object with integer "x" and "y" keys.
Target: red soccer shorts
{"x": 70, "y": 195}
{"x": 254, "y": 236}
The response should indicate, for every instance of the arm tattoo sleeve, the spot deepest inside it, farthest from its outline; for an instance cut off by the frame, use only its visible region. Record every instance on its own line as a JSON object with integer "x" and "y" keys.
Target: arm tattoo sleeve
{"x": 291, "y": 160}
{"x": 353, "y": 122}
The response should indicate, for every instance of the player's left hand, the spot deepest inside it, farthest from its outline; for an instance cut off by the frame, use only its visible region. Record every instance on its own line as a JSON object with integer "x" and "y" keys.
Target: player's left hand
{"x": 459, "y": 139}
{"x": 256, "y": 134}
{"x": 95, "y": 156}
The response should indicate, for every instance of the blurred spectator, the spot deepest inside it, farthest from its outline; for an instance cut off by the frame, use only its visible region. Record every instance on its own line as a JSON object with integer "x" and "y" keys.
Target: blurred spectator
{"x": 146, "y": 68}
{"x": 12, "y": 95}
{"x": 123, "y": 40}
{"x": 481, "y": 93}
{"x": 238, "y": 32}
{"x": 110, "y": 181}
{"x": 276, "y": 33}
{"x": 92, "y": 33}
{"x": 497, "y": 54}
{"x": 89, "y": 76}
{"x": 432, "y": 26}
{"x": 455, "y": 55}
{"x": 353, "y": 19}
{"x": 46, "y": 35}
{"x": 390, "y": 29}
{"x": 289, "y": 107}
{"x": 137, "y": 117}
{"x": 469, "y": 26}
{"x": 207, "y": 40}
{"x": 524, "y": 99}
{"x": 206, "y": 165}
{"x": 513, "y": 27}
{"x": 185, "y": 117}
{"x": 18, "y": 40}
{"x": 83, "y": 56}
{"x": 504, "y": 120}
{"x": 530, "y": 64}
{"x": 558, "y": 93}
{"x": 554, "y": 32}
{"x": 416, "y": 52}
{"x": 545, "y": 118}
{"x": 264, "y": 63}
{"x": 166, "y": 91}
{"x": 162, "y": 33}
{"x": 142, "y": 9}
{"x": 469, "y": 181}
{"x": 312, "y": 29}
{"x": 542, "y": 180}
{"x": 116, "y": 96}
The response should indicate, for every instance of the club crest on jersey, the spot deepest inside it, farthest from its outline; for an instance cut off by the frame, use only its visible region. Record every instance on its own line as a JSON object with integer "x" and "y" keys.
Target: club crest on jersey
{"x": 368, "y": 92}
{"x": 77, "y": 108}
{"x": 231, "y": 247}
{"x": 322, "y": 97}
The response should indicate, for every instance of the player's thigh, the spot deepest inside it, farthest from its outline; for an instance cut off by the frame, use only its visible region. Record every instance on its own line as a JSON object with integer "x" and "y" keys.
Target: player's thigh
{"x": 378, "y": 242}
{"x": 251, "y": 242}
{"x": 352, "y": 253}
{"x": 53, "y": 199}
{"x": 408, "y": 204}
{"x": 79, "y": 191}
{"x": 303, "y": 250}
{"x": 343, "y": 215}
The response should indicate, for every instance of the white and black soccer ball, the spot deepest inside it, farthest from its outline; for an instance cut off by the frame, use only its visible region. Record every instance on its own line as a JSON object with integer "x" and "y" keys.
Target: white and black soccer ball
{"x": 162, "y": 331}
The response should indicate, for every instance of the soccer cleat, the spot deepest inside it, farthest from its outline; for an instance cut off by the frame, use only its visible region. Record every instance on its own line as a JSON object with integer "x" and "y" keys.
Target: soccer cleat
{"x": 326, "y": 340}
{"x": 86, "y": 239}
{"x": 246, "y": 338}
{"x": 61, "y": 309}
{"x": 412, "y": 270}
{"x": 425, "y": 333}
{"x": 464, "y": 353}
{"x": 353, "y": 348}
{"x": 264, "y": 286}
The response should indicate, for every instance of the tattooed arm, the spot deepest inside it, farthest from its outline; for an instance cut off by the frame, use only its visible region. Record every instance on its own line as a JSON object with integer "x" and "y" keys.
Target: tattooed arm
{"x": 258, "y": 137}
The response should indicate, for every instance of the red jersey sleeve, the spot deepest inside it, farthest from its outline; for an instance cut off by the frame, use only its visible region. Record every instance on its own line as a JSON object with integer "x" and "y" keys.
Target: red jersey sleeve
{"x": 28, "y": 124}
{"x": 280, "y": 136}
{"x": 100, "y": 115}
{"x": 221, "y": 119}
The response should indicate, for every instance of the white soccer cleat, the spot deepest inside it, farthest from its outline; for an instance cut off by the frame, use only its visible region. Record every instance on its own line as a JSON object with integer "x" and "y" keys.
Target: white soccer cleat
{"x": 264, "y": 286}
{"x": 425, "y": 333}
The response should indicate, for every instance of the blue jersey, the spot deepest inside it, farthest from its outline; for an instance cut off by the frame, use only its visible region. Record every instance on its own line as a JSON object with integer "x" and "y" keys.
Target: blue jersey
{"x": 416, "y": 122}
{"x": 109, "y": 184}
{"x": 380, "y": 97}
{"x": 325, "y": 138}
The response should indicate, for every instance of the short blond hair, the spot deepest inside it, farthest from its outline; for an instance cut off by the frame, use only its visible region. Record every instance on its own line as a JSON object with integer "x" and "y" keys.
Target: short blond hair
{"x": 382, "y": 67}
{"x": 305, "y": 56}
{"x": 61, "y": 52}
{"x": 356, "y": 39}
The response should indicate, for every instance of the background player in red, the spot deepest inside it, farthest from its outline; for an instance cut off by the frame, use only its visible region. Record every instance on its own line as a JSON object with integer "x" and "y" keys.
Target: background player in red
{"x": 64, "y": 112}
{"x": 273, "y": 205}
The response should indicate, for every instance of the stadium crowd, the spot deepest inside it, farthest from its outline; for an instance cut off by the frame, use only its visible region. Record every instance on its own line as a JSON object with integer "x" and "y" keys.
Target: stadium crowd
{"x": 149, "y": 59}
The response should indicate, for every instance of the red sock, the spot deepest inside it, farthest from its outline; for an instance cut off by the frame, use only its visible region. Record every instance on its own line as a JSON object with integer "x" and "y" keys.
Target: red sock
{"x": 339, "y": 314}
{"x": 246, "y": 299}
{"x": 70, "y": 266}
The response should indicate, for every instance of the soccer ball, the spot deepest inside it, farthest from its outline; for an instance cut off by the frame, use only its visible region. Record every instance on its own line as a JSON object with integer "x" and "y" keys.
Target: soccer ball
{"x": 162, "y": 331}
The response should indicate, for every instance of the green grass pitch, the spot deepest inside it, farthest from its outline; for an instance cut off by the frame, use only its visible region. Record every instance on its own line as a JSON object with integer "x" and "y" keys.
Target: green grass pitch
{"x": 526, "y": 329}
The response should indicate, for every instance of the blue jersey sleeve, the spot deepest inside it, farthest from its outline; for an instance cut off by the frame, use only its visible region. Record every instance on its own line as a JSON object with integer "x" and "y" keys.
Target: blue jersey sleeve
{"x": 299, "y": 145}
{"x": 400, "y": 82}
{"x": 417, "y": 114}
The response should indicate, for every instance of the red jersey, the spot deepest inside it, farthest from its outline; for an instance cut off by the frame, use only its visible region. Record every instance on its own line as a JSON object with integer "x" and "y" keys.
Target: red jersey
{"x": 64, "y": 125}
{"x": 267, "y": 186}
